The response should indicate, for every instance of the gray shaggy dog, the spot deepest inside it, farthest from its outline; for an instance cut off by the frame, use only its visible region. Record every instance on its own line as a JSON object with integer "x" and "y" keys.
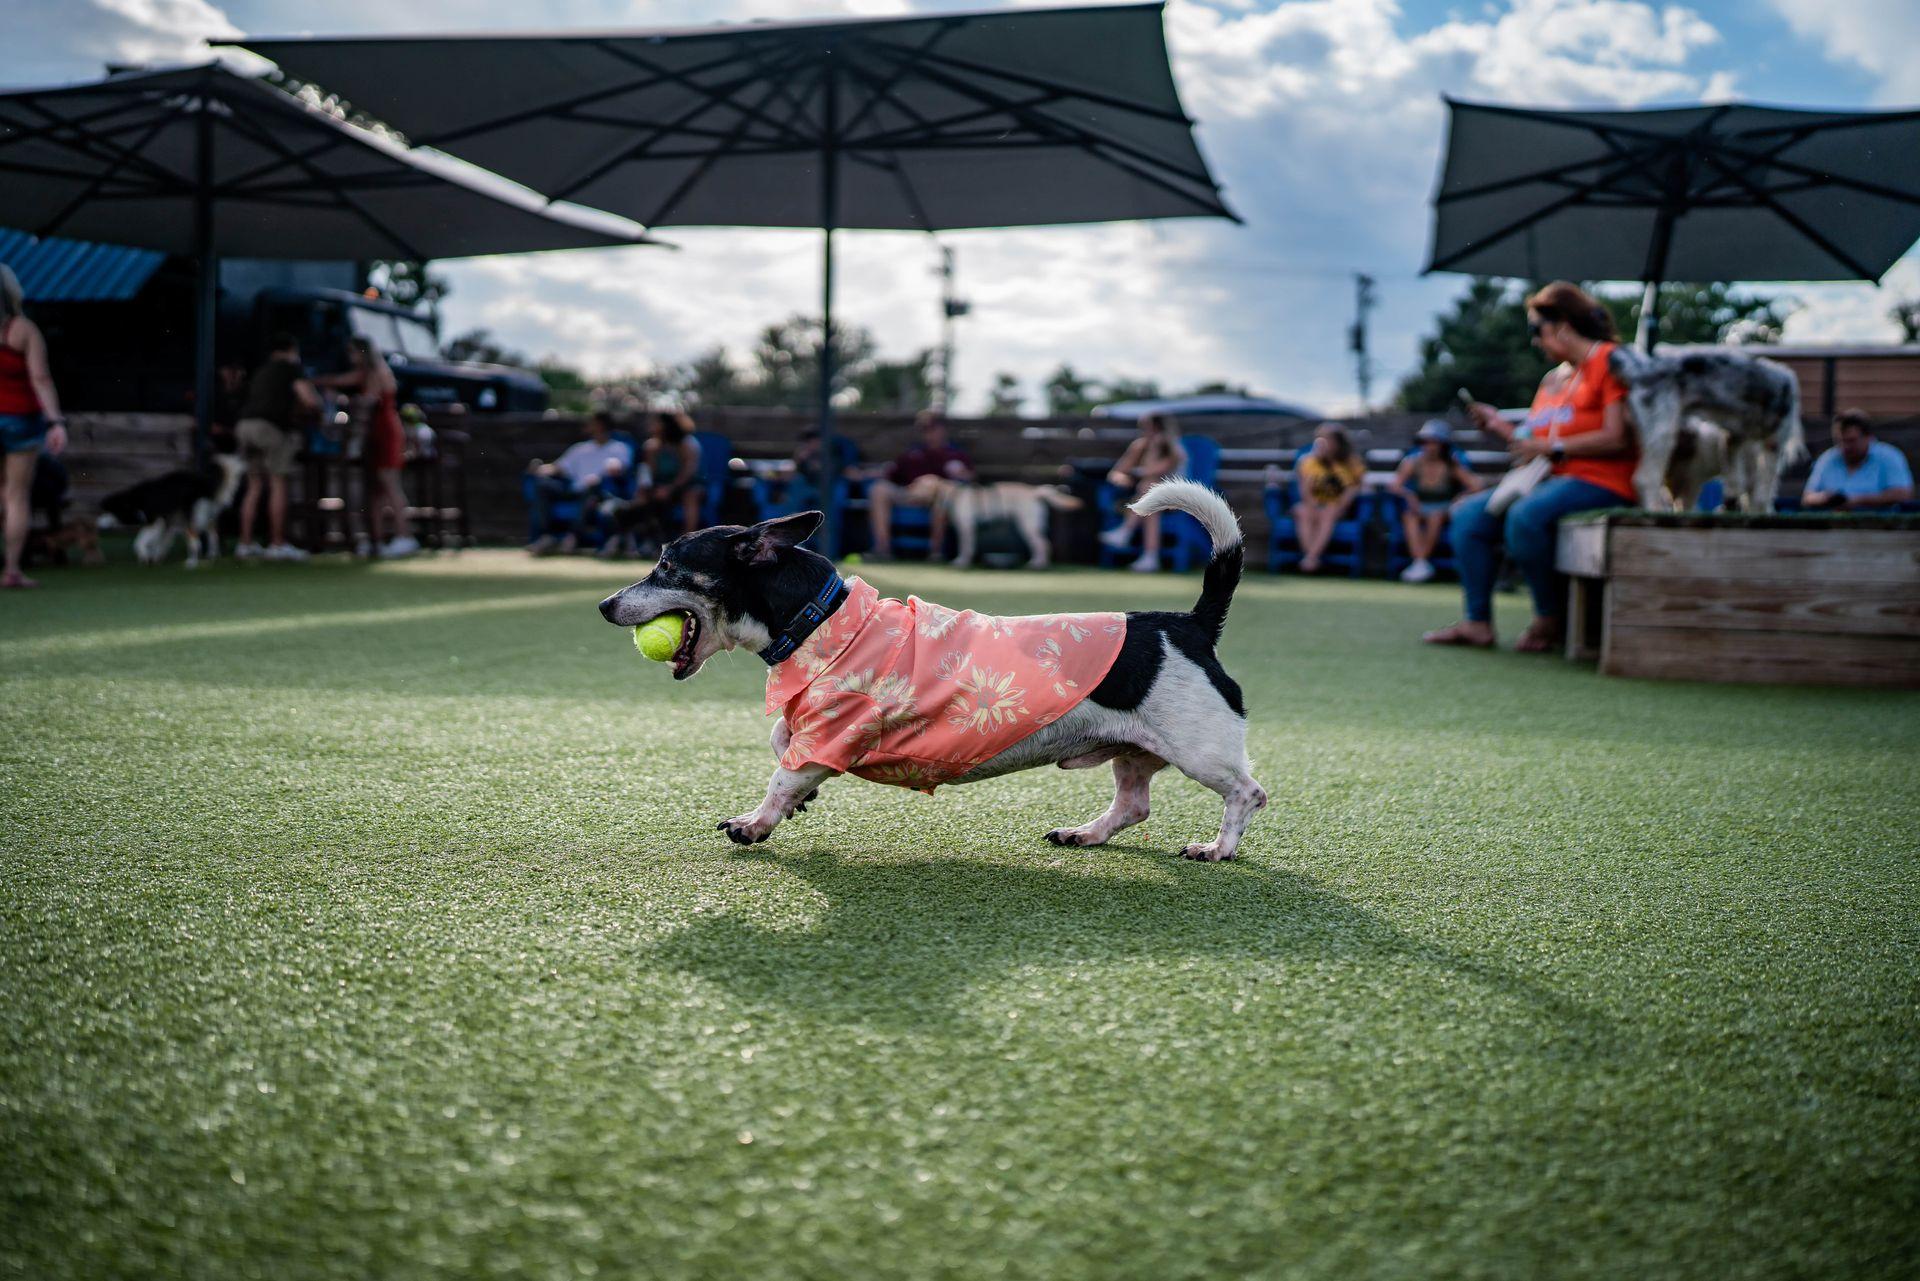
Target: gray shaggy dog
{"x": 1754, "y": 401}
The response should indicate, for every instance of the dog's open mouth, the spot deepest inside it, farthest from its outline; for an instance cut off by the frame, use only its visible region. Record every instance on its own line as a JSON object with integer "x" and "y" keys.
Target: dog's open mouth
{"x": 683, "y": 659}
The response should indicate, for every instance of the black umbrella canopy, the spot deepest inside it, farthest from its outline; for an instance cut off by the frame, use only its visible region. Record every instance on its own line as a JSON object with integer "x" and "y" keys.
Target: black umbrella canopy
{"x": 204, "y": 161}
{"x": 1724, "y": 192}
{"x": 958, "y": 120}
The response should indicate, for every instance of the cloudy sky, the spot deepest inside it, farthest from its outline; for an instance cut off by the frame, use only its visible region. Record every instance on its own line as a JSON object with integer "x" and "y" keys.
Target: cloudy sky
{"x": 1320, "y": 118}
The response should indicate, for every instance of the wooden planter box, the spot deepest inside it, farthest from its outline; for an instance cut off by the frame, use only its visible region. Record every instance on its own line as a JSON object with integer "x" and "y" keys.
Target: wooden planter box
{"x": 1789, "y": 600}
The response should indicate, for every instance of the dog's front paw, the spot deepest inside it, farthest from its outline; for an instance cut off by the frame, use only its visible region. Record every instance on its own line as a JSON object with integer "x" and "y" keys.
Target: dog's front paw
{"x": 745, "y": 830}
{"x": 1070, "y": 836}
{"x": 1208, "y": 852}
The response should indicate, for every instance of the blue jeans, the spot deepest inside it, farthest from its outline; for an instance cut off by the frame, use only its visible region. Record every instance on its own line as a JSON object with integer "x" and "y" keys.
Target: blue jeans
{"x": 544, "y": 493}
{"x": 22, "y": 433}
{"x": 1529, "y": 530}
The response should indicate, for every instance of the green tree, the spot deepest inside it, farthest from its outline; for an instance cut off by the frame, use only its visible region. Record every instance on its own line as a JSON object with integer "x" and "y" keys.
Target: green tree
{"x": 567, "y": 388}
{"x": 409, "y": 282}
{"x": 785, "y": 365}
{"x": 1006, "y": 398}
{"x": 480, "y": 345}
{"x": 1906, "y": 314}
{"x": 895, "y": 386}
{"x": 1068, "y": 395}
{"x": 711, "y": 379}
{"x": 1124, "y": 388}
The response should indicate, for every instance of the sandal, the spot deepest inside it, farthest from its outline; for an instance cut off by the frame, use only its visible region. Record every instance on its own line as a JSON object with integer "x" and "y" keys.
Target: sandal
{"x": 1539, "y": 638}
{"x": 17, "y": 582}
{"x": 1457, "y": 634}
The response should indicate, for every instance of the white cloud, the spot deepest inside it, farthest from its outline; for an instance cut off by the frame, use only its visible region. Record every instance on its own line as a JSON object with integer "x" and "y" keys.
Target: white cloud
{"x": 58, "y": 40}
{"x": 1852, "y": 313}
{"x": 1878, "y": 35}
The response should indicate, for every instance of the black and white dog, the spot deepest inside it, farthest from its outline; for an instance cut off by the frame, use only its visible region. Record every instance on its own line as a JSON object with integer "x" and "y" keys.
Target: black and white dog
{"x": 1754, "y": 401}
{"x": 1165, "y": 700}
{"x": 186, "y": 501}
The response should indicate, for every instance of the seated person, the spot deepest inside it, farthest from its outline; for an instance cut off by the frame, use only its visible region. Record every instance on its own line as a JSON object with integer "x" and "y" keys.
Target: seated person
{"x": 1428, "y": 479}
{"x": 582, "y": 472}
{"x": 674, "y": 491}
{"x": 1328, "y": 477}
{"x": 1151, "y": 456}
{"x": 798, "y": 478}
{"x": 913, "y": 480}
{"x": 1857, "y": 473}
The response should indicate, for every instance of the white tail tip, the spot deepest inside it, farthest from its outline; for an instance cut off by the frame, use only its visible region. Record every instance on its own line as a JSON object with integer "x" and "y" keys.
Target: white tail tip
{"x": 1197, "y": 501}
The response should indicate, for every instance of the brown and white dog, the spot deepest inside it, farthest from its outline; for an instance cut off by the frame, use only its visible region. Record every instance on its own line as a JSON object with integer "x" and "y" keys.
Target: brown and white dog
{"x": 971, "y": 506}
{"x": 1165, "y": 700}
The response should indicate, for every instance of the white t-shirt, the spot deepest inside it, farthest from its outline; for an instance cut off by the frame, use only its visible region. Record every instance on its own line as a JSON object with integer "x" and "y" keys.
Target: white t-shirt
{"x": 585, "y": 460}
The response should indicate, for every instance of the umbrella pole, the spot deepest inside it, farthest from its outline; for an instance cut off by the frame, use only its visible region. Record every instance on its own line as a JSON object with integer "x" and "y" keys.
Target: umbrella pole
{"x": 206, "y": 286}
{"x": 829, "y": 216}
{"x": 1655, "y": 273}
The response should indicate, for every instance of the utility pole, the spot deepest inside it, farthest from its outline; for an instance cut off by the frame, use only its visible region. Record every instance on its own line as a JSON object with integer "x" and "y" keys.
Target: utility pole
{"x": 951, "y": 309}
{"x": 1363, "y": 303}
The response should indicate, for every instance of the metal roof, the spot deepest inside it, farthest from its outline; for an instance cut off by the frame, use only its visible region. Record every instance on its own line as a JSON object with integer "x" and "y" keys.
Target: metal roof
{"x": 54, "y": 270}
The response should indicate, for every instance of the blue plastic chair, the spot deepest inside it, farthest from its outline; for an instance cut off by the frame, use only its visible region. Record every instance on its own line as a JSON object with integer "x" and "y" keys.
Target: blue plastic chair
{"x": 715, "y": 451}
{"x": 1346, "y": 548}
{"x": 1183, "y": 540}
{"x": 566, "y": 511}
{"x": 1387, "y": 508}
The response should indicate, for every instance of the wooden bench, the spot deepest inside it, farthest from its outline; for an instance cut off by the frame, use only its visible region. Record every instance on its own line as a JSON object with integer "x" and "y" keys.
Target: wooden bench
{"x": 1787, "y": 599}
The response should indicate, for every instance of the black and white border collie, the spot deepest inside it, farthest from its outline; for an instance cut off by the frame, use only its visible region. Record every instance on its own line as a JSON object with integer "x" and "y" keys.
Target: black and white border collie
{"x": 186, "y": 501}
{"x": 1165, "y": 701}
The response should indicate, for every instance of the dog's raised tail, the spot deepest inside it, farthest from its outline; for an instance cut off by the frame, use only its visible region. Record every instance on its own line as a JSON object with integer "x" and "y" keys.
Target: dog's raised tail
{"x": 1223, "y": 570}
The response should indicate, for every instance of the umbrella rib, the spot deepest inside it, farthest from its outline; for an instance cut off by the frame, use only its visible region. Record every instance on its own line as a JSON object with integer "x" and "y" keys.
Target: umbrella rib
{"x": 717, "y": 97}
{"x": 106, "y": 151}
{"x": 100, "y": 179}
{"x": 949, "y": 122}
{"x": 1034, "y": 82}
{"x": 1556, "y": 174}
{"x": 53, "y": 123}
{"x": 809, "y": 131}
{"x": 724, "y": 92}
{"x": 1043, "y": 124}
{"x": 568, "y": 104}
{"x": 1519, "y": 225}
{"x": 1826, "y": 179}
{"x": 1794, "y": 220}
{"x": 884, "y": 90}
{"x": 243, "y": 122}
{"x": 699, "y": 171}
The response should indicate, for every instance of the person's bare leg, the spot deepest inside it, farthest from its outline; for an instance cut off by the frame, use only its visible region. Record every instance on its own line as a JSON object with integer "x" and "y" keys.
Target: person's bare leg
{"x": 250, "y": 506}
{"x": 1150, "y": 542}
{"x": 880, "y": 516}
{"x": 19, "y": 499}
{"x": 376, "y": 491}
{"x": 396, "y": 503}
{"x": 277, "y": 509}
{"x": 937, "y": 529}
{"x": 1307, "y": 528}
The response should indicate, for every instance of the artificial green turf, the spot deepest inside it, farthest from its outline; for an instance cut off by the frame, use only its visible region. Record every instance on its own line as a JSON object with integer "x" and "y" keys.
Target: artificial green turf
{"x": 369, "y": 922}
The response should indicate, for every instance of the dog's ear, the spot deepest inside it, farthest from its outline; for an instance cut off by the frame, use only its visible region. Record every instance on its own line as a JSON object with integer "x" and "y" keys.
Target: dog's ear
{"x": 762, "y": 544}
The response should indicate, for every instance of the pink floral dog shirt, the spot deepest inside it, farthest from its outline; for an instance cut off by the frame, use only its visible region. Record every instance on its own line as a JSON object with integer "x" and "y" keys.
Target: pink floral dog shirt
{"x": 916, "y": 694}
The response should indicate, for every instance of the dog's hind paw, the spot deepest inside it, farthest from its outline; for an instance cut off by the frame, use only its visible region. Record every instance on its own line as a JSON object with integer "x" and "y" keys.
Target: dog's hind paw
{"x": 1207, "y": 852}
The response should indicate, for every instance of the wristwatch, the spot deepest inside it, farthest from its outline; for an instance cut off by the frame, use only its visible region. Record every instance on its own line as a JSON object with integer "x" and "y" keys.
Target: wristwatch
{"x": 1557, "y": 452}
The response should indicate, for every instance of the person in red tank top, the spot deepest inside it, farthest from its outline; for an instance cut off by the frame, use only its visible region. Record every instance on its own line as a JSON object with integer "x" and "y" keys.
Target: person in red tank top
{"x": 383, "y": 450}
{"x": 1578, "y": 423}
{"x": 30, "y": 419}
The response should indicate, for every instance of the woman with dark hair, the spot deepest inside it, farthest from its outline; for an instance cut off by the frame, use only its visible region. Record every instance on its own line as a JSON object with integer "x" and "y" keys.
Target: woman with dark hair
{"x": 675, "y": 487}
{"x": 370, "y": 381}
{"x": 1578, "y": 423}
{"x": 1150, "y": 457}
{"x": 1328, "y": 476}
{"x": 30, "y": 419}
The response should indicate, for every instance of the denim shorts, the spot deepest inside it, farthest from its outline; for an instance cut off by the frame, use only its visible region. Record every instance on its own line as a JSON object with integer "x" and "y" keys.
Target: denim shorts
{"x": 22, "y": 433}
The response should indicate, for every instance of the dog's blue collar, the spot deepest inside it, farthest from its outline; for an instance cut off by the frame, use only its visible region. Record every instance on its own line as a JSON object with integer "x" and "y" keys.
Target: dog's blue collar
{"x": 803, "y": 623}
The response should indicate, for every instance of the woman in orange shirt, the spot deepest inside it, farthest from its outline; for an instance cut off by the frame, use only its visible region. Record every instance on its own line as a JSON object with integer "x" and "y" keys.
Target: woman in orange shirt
{"x": 1579, "y": 422}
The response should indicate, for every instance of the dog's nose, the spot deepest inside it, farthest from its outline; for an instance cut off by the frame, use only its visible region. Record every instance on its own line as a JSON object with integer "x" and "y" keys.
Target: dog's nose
{"x": 608, "y": 605}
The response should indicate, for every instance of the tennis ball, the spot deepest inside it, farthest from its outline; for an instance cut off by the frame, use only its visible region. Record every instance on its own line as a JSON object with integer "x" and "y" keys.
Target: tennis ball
{"x": 658, "y": 639}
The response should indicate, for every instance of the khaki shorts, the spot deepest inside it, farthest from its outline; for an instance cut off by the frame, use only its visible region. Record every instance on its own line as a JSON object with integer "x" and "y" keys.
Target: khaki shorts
{"x": 267, "y": 446}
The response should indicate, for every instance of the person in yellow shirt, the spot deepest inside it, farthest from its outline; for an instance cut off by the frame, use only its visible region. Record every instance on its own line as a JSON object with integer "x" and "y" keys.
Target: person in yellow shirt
{"x": 1328, "y": 477}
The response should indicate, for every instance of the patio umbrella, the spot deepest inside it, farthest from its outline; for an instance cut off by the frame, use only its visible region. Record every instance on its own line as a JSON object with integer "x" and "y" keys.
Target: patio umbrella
{"x": 1010, "y": 118}
{"x": 205, "y": 162}
{"x": 1726, "y": 192}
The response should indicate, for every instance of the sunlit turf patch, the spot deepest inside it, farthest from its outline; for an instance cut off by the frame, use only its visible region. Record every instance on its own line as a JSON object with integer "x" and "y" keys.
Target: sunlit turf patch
{"x": 370, "y": 921}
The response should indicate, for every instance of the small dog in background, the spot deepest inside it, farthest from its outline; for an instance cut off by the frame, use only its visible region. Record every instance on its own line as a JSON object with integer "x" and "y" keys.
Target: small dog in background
{"x": 971, "y": 506}
{"x": 1752, "y": 401}
{"x": 187, "y": 501}
{"x": 74, "y": 539}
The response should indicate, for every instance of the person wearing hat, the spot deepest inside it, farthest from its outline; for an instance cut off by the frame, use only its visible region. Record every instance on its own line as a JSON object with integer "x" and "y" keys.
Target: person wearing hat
{"x": 1428, "y": 479}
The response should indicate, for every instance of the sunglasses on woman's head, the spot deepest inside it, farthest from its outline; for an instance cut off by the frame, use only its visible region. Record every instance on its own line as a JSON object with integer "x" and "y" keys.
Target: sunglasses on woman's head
{"x": 1534, "y": 327}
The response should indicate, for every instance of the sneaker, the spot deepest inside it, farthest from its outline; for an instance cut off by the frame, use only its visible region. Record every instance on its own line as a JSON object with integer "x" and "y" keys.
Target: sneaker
{"x": 1118, "y": 537}
{"x": 1147, "y": 564}
{"x": 249, "y": 551}
{"x": 286, "y": 552}
{"x": 363, "y": 548}
{"x": 569, "y": 545}
{"x": 612, "y": 548}
{"x": 398, "y": 548}
{"x": 1418, "y": 572}
{"x": 540, "y": 546}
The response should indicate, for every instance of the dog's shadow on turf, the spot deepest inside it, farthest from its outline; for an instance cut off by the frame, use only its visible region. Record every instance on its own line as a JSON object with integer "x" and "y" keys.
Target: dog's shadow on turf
{"x": 906, "y": 945}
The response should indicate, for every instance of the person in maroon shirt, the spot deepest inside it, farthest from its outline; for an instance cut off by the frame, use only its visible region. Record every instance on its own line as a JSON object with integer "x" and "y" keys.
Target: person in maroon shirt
{"x": 913, "y": 480}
